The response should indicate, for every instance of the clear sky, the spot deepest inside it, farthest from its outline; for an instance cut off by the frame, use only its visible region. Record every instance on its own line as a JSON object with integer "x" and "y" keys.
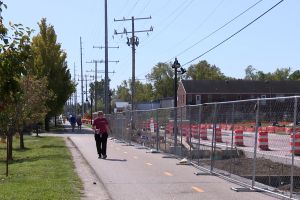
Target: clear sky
{"x": 269, "y": 43}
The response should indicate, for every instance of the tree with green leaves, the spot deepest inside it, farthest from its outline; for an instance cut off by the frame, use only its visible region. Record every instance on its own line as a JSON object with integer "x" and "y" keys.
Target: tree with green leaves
{"x": 50, "y": 61}
{"x": 122, "y": 92}
{"x": 144, "y": 92}
{"x": 32, "y": 106}
{"x": 100, "y": 93}
{"x": 204, "y": 71}
{"x": 295, "y": 76}
{"x": 15, "y": 54}
{"x": 162, "y": 78}
{"x": 278, "y": 74}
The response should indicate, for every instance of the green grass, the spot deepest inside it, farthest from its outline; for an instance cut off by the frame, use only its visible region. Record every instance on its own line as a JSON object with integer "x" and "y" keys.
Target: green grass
{"x": 44, "y": 170}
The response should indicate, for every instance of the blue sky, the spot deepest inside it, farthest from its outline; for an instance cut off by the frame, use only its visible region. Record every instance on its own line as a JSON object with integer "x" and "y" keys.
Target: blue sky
{"x": 271, "y": 42}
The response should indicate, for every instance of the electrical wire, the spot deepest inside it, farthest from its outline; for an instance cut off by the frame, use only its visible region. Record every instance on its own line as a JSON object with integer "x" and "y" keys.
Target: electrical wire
{"x": 183, "y": 8}
{"x": 234, "y": 33}
{"x": 215, "y": 31}
{"x": 199, "y": 26}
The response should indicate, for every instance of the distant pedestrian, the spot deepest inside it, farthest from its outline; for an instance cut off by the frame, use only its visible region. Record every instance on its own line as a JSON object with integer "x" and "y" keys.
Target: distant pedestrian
{"x": 79, "y": 122}
{"x": 101, "y": 128}
{"x": 73, "y": 122}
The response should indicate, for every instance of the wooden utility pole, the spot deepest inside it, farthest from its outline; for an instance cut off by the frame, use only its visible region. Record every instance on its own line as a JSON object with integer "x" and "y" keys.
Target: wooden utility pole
{"x": 133, "y": 41}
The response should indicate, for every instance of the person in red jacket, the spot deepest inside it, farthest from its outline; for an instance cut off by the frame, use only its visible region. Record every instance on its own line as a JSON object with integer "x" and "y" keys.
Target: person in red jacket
{"x": 101, "y": 128}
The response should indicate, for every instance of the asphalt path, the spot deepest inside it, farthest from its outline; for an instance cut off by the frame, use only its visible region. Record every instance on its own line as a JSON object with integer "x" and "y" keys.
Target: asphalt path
{"x": 130, "y": 172}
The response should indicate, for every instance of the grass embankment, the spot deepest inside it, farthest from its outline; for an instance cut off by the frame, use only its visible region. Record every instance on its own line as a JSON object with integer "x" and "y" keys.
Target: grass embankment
{"x": 44, "y": 170}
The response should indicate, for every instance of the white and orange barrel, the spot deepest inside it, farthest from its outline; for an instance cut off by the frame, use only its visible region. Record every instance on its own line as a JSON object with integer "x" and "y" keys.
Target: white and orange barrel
{"x": 218, "y": 136}
{"x": 239, "y": 137}
{"x": 203, "y": 133}
{"x": 263, "y": 141}
{"x": 296, "y": 144}
{"x": 195, "y": 131}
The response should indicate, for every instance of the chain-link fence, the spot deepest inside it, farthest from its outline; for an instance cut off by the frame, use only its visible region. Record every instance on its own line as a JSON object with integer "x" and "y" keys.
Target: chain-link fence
{"x": 253, "y": 142}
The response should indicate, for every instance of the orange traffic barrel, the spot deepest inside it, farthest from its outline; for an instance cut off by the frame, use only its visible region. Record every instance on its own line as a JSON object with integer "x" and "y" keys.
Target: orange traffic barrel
{"x": 203, "y": 133}
{"x": 263, "y": 140}
{"x": 218, "y": 135}
{"x": 296, "y": 144}
{"x": 239, "y": 137}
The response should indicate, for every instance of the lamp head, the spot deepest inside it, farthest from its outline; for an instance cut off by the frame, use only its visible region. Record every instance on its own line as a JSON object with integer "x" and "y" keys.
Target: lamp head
{"x": 182, "y": 70}
{"x": 176, "y": 64}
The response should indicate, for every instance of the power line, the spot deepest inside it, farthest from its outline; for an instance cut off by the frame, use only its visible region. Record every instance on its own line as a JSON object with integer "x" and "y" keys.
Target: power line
{"x": 234, "y": 33}
{"x": 215, "y": 31}
{"x": 183, "y": 8}
{"x": 198, "y": 27}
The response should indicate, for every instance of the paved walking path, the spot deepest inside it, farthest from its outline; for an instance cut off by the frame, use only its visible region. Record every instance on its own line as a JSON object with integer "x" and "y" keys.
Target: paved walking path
{"x": 133, "y": 173}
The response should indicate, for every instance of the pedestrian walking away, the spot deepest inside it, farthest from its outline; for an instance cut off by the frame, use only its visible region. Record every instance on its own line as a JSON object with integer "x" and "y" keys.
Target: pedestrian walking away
{"x": 73, "y": 122}
{"x": 79, "y": 122}
{"x": 101, "y": 128}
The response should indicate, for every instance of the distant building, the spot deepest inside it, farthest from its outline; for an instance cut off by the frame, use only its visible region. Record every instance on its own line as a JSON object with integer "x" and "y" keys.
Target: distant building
{"x": 147, "y": 105}
{"x": 193, "y": 92}
{"x": 167, "y": 102}
{"x": 121, "y": 106}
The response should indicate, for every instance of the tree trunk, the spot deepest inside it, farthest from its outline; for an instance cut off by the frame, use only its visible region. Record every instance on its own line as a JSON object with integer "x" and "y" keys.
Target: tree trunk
{"x": 22, "y": 146}
{"x": 37, "y": 129}
{"x": 47, "y": 127}
{"x": 10, "y": 146}
{"x": 55, "y": 121}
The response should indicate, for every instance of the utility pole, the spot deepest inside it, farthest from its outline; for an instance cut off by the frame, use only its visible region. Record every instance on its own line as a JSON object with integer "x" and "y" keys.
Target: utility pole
{"x": 106, "y": 61}
{"x": 85, "y": 92}
{"x": 75, "y": 93}
{"x": 96, "y": 72}
{"x": 133, "y": 41}
{"x": 106, "y": 89}
{"x": 82, "y": 111}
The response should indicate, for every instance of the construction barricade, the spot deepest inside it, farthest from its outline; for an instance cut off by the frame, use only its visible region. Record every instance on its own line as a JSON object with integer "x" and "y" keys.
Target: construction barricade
{"x": 203, "y": 133}
{"x": 218, "y": 135}
{"x": 239, "y": 137}
{"x": 263, "y": 142}
{"x": 296, "y": 144}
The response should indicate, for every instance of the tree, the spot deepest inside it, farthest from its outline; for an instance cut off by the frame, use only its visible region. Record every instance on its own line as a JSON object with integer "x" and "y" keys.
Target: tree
{"x": 162, "y": 78}
{"x": 144, "y": 92}
{"x": 279, "y": 74}
{"x": 14, "y": 55}
{"x": 204, "y": 71}
{"x": 32, "y": 106}
{"x": 122, "y": 92}
{"x": 295, "y": 75}
{"x": 250, "y": 73}
{"x": 50, "y": 61}
{"x": 100, "y": 93}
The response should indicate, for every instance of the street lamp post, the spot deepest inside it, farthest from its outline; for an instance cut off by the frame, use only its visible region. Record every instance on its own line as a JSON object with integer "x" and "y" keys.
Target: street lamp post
{"x": 176, "y": 65}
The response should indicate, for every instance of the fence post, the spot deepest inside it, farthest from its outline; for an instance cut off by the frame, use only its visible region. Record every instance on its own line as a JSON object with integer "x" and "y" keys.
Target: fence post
{"x": 157, "y": 129}
{"x": 293, "y": 148}
{"x": 190, "y": 129}
{"x": 256, "y": 108}
{"x": 213, "y": 141}
{"x": 232, "y": 131}
{"x": 199, "y": 128}
{"x": 181, "y": 114}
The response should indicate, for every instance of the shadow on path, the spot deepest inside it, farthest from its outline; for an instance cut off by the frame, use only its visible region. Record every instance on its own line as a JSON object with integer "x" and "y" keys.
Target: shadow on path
{"x": 113, "y": 159}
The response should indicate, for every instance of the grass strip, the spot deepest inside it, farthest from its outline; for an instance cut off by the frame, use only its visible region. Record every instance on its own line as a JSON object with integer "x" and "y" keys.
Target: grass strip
{"x": 44, "y": 170}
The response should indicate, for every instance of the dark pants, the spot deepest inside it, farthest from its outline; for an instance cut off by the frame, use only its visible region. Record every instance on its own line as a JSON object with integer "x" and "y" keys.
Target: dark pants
{"x": 101, "y": 141}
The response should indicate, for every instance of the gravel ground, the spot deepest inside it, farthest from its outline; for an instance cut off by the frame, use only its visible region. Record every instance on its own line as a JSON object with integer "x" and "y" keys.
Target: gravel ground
{"x": 93, "y": 188}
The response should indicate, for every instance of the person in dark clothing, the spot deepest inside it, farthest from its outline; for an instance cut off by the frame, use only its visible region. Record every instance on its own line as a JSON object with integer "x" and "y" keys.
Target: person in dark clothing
{"x": 73, "y": 122}
{"x": 101, "y": 128}
{"x": 79, "y": 122}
